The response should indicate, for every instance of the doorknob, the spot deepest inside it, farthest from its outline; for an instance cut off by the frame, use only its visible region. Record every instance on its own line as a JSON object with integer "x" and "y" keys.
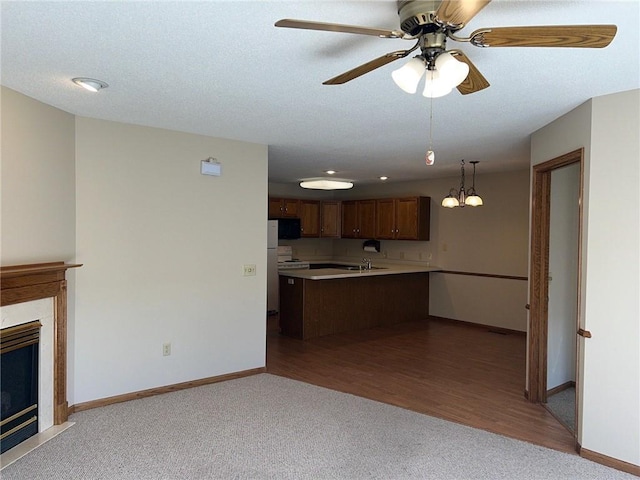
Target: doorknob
{"x": 527, "y": 306}
{"x": 584, "y": 333}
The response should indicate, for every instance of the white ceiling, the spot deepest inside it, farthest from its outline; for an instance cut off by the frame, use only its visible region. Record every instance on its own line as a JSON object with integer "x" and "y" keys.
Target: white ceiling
{"x": 221, "y": 68}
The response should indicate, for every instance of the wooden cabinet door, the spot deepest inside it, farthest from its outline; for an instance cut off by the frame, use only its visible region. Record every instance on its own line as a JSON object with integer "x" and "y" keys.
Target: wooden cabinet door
{"x": 275, "y": 207}
{"x": 291, "y": 207}
{"x": 350, "y": 219}
{"x": 406, "y": 218}
{"x": 367, "y": 218}
{"x": 330, "y": 219}
{"x": 385, "y": 219}
{"x": 310, "y": 218}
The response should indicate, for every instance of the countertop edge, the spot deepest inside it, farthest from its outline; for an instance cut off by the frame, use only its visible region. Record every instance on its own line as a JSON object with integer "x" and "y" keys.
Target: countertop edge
{"x": 333, "y": 273}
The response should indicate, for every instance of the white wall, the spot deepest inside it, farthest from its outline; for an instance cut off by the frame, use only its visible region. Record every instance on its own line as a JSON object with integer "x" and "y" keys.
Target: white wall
{"x": 563, "y": 273}
{"x": 612, "y": 312}
{"x": 163, "y": 249}
{"x": 607, "y": 127}
{"x": 490, "y": 239}
{"x": 38, "y": 182}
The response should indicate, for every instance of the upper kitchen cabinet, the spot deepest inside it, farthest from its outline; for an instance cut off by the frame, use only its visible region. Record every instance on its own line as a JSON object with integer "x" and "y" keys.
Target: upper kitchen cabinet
{"x": 359, "y": 219}
{"x": 309, "y": 218}
{"x": 330, "y": 219}
{"x": 284, "y": 207}
{"x": 403, "y": 218}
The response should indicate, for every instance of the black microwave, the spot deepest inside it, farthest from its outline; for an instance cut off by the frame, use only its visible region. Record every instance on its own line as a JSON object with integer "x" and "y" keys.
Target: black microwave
{"x": 288, "y": 228}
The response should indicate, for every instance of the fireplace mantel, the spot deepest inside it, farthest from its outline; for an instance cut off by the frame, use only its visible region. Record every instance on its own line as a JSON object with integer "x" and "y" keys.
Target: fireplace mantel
{"x": 25, "y": 283}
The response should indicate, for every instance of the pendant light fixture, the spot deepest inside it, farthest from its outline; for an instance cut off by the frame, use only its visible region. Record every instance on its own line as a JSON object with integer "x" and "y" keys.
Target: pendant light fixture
{"x": 463, "y": 197}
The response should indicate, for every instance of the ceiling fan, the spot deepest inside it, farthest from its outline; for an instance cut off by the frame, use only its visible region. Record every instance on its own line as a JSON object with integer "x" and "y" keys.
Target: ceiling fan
{"x": 431, "y": 23}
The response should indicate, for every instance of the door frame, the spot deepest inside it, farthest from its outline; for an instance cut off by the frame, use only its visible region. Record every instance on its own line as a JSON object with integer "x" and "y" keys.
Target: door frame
{"x": 539, "y": 273}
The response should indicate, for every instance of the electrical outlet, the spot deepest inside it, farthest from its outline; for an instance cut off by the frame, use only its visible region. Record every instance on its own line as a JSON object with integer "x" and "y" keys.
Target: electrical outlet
{"x": 249, "y": 270}
{"x": 166, "y": 349}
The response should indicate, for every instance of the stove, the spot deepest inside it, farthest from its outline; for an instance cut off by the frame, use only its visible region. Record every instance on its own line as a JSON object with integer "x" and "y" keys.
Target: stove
{"x": 292, "y": 264}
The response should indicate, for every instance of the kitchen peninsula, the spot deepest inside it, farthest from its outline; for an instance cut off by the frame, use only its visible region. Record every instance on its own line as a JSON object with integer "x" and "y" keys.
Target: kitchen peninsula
{"x": 340, "y": 297}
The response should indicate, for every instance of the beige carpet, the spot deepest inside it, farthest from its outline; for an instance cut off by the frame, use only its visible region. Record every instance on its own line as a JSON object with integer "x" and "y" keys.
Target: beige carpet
{"x": 269, "y": 427}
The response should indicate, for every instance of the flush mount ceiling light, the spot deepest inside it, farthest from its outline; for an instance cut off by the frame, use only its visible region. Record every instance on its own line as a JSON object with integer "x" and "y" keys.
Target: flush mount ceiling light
{"x": 90, "y": 84}
{"x": 326, "y": 184}
{"x": 463, "y": 197}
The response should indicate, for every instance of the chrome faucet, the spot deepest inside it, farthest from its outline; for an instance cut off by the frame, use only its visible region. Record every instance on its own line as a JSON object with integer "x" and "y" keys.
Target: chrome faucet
{"x": 367, "y": 263}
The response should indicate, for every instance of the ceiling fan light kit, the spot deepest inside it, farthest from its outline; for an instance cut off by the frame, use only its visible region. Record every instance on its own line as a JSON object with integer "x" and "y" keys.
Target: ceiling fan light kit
{"x": 408, "y": 76}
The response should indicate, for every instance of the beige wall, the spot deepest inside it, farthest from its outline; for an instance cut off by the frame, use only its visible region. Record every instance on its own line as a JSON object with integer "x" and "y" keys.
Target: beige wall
{"x": 489, "y": 239}
{"x": 164, "y": 249}
{"x": 607, "y": 127}
{"x": 162, "y": 246}
{"x": 38, "y": 181}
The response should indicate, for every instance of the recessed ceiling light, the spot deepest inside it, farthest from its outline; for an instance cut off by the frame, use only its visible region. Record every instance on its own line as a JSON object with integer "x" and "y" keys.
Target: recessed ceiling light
{"x": 330, "y": 172}
{"x": 383, "y": 178}
{"x": 90, "y": 84}
{"x": 326, "y": 184}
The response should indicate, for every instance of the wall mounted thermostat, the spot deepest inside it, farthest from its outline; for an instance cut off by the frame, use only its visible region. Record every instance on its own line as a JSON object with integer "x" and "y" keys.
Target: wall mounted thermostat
{"x": 210, "y": 166}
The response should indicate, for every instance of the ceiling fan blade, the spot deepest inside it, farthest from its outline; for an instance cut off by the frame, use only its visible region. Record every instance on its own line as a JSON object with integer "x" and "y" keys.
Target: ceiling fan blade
{"x": 367, "y": 67}
{"x": 475, "y": 81}
{"x": 336, "y": 27}
{"x": 585, "y": 36}
{"x": 457, "y": 13}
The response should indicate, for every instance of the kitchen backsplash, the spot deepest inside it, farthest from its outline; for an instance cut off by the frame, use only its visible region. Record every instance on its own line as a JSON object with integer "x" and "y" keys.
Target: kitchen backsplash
{"x": 396, "y": 251}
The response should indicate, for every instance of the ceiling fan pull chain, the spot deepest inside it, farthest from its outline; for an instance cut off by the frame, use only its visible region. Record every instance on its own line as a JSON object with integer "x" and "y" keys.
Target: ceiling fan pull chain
{"x": 430, "y": 158}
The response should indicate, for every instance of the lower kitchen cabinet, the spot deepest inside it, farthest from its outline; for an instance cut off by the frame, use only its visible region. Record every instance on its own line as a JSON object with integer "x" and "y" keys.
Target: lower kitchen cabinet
{"x": 314, "y": 308}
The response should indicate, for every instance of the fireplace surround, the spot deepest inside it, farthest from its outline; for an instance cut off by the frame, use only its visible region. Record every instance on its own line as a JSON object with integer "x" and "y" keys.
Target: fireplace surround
{"x": 26, "y": 283}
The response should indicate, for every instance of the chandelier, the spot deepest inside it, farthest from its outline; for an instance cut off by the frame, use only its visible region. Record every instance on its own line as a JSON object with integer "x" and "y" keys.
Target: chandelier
{"x": 463, "y": 197}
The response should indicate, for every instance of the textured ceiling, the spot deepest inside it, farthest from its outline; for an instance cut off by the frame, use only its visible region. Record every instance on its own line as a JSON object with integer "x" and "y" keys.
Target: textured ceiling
{"x": 221, "y": 68}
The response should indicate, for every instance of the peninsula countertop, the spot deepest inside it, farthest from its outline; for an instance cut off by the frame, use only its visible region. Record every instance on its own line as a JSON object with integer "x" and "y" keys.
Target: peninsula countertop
{"x": 377, "y": 269}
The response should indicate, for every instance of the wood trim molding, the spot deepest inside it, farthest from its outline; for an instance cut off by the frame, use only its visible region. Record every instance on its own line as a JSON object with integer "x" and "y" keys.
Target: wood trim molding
{"x": 561, "y": 387}
{"x": 25, "y": 283}
{"x": 475, "y": 274}
{"x": 610, "y": 462}
{"x": 481, "y": 326}
{"x": 539, "y": 268}
{"x": 166, "y": 389}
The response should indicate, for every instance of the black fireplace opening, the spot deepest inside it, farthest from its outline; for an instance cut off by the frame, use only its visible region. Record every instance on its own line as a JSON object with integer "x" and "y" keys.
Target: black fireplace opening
{"x": 19, "y": 348}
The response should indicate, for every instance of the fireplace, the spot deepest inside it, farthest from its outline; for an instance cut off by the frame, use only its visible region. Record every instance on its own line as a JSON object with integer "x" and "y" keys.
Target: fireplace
{"x": 28, "y": 292}
{"x": 19, "y": 348}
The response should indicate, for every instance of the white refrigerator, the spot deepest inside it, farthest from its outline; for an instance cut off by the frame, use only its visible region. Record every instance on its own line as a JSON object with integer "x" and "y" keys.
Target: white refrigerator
{"x": 272, "y": 267}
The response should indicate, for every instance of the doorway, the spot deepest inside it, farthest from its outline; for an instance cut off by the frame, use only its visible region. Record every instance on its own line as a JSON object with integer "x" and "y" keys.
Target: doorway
{"x": 555, "y": 290}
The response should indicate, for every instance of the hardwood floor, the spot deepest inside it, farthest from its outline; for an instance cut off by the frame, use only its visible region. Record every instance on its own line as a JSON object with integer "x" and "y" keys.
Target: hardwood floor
{"x": 452, "y": 371}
